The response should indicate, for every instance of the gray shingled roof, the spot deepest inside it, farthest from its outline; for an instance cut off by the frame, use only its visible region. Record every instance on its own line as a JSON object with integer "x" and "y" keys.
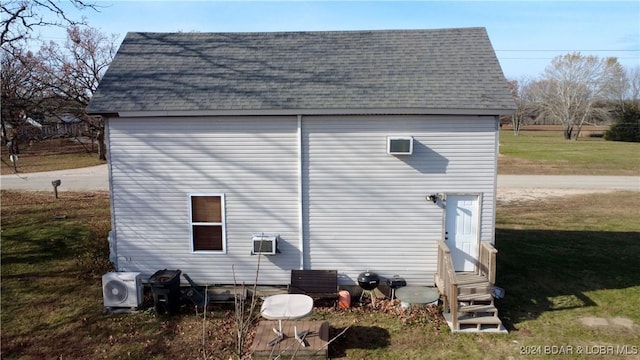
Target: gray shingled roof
{"x": 415, "y": 69}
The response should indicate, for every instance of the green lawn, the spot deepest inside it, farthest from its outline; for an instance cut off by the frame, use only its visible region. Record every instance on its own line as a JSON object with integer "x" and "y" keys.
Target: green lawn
{"x": 547, "y": 153}
{"x": 567, "y": 259}
{"x": 562, "y": 262}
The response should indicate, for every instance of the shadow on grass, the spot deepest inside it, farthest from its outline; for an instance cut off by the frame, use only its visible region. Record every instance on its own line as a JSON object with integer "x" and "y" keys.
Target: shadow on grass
{"x": 358, "y": 337}
{"x": 549, "y": 270}
{"x": 47, "y": 244}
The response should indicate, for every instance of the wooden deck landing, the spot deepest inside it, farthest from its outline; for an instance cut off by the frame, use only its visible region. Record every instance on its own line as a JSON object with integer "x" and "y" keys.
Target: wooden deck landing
{"x": 316, "y": 340}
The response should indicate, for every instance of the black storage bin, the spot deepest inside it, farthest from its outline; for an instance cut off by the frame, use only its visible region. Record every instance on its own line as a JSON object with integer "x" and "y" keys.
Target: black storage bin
{"x": 165, "y": 286}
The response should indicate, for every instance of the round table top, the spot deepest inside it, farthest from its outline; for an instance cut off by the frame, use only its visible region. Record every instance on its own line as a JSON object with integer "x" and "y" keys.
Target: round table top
{"x": 286, "y": 306}
{"x": 417, "y": 294}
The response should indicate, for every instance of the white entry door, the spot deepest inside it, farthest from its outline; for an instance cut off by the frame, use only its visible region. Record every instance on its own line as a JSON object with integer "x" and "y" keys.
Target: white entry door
{"x": 461, "y": 230}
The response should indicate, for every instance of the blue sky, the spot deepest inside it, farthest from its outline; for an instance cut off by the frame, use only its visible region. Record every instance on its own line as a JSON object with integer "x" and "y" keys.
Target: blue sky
{"x": 525, "y": 34}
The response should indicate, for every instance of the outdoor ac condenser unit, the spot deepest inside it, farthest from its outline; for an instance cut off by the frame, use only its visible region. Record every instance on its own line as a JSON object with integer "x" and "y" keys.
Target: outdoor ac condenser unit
{"x": 265, "y": 244}
{"x": 122, "y": 289}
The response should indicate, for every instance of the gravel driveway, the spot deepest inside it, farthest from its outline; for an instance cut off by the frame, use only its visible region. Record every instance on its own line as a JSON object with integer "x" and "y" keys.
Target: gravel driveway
{"x": 89, "y": 178}
{"x": 531, "y": 187}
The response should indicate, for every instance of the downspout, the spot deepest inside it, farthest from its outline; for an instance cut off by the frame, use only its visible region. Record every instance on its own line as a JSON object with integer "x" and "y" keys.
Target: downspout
{"x": 113, "y": 235}
{"x": 301, "y": 226}
{"x": 495, "y": 178}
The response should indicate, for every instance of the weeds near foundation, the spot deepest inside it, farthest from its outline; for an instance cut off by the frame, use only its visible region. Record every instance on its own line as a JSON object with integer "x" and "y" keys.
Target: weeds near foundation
{"x": 244, "y": 317}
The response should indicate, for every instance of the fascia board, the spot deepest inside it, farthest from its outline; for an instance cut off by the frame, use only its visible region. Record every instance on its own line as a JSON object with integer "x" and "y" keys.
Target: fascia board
{"x": 272, "y": 112}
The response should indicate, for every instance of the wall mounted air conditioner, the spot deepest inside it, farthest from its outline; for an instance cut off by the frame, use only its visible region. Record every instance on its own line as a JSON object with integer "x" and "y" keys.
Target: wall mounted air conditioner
{"x": 122, "y": 289}
{"x": 265, "y": 244}
{"x": 400, "y": 145}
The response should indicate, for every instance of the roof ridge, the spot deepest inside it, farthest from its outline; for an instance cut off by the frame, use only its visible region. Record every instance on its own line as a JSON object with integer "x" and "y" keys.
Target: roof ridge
{"x": 310, "y": 31}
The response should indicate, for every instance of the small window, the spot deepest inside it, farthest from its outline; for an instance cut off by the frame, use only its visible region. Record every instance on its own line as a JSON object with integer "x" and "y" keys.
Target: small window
{"x": 207, "y": 222}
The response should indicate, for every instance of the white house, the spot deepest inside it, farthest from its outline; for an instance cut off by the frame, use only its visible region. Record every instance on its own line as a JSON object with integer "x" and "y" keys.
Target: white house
{"x": 335, "y": 143}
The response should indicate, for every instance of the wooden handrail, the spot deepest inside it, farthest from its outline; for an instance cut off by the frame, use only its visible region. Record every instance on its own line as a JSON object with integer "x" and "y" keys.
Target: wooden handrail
{"x": 487, "y": 266}
{"x": 446, "y": 281}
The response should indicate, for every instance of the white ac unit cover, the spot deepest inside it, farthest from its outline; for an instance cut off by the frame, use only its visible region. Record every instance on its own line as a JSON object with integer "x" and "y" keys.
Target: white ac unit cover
{"x": 400, "y": 145}
{"x": 265, "y": 244}
{"x": 122, "y": 289}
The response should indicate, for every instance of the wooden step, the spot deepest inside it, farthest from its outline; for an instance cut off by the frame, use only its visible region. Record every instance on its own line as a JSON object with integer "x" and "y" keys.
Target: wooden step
{"x": 480, "y": 285}
{"x": 473, "y": 297}
{"x": 479, "y": 309}
{"x": 470, "y": 278}
{"x": 471, "y": 291}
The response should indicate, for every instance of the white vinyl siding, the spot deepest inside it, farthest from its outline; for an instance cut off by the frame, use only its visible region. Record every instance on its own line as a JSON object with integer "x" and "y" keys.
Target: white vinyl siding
{"x": 362, "y": 208}
{"x": 157, "y": 162}
{"x": 366, "y": 209}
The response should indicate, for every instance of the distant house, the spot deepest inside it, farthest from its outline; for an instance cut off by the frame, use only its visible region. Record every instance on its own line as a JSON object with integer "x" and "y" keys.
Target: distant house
{"x": 29, "y": 129}
{"x": 64, "y": 125}
{"x": 356, "y": 150}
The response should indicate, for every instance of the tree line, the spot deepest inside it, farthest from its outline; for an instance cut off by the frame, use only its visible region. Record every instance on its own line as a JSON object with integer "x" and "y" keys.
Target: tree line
{"x": 59, "y": 79}
{"x": 575, "y": 90}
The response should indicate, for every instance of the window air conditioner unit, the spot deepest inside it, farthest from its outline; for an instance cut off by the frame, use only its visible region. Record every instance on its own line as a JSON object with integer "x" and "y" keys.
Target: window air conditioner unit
{"x": 265, "y": 244}
{"x": 400, "y": 145}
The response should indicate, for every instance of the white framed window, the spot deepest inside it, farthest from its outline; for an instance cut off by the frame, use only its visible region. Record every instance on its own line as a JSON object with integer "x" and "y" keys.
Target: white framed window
{"x": 207, "y": 222}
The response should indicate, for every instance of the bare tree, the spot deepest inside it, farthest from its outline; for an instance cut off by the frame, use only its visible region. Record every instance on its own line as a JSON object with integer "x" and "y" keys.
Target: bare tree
{"x": 516, "y": 118}
{"x": 627, "y": 111}
{"x": 21, "y": 96}
{"x": 526, "y": 109}
{"x": 573, "y": 84}
{"x": 633, "y": 84}
{"x": 72, "y": 73}
{"x": 21, "y": 17}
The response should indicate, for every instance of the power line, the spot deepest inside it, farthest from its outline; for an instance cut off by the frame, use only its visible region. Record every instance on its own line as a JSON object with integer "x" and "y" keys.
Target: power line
{"x": 558, "y": 50}
{"x": 546, "y": 58}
